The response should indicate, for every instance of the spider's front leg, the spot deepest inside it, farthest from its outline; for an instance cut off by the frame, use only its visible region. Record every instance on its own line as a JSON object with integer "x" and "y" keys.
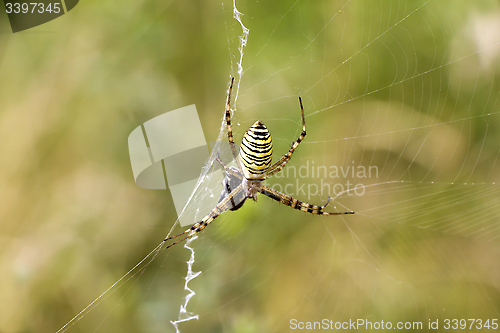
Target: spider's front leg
{"x": 222, "y": 206}
{"x": 197, "y": 227}
{"x": 230, "y": 128}
{"x": 228, "y": 123}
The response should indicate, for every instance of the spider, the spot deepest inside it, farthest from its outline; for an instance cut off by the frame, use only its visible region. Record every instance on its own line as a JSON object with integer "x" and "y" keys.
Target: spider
{"x": 254, "y": 166}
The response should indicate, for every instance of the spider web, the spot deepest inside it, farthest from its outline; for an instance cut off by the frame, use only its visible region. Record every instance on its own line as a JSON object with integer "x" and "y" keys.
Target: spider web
{"x": 402, "y": 104}
{"x": 402, "y": 108}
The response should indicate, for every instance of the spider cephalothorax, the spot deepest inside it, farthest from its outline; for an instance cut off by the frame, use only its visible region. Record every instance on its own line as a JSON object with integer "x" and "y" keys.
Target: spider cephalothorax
{"x": 254, "y": 166}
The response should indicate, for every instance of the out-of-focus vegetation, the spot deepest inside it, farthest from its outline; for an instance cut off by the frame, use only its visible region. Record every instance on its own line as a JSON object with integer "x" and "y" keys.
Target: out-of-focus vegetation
{"x": 409, "y": 86}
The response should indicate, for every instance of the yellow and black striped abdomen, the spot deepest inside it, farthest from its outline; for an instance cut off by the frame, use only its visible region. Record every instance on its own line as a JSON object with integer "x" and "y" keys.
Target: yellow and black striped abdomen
{"x": 256, "y": 151}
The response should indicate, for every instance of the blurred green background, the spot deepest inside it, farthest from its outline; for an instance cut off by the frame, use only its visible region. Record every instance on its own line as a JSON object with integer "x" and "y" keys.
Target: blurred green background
{"x": 412, "y": 87}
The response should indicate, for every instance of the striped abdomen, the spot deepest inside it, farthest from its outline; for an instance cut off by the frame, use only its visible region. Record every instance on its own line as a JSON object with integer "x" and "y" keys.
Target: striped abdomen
{"x": 256, "y": 151}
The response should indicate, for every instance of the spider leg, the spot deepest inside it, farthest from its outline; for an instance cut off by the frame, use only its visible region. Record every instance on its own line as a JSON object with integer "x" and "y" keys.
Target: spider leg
{"x": 294, "y": 203}
{"x": 197, "y": 227}
{"x": 228, "y": 169}
{"x": 221, "y": 207}
{"x": 280, "y": 164}
{"x": 326, "y": 203}
{"x": 229, "y": 127}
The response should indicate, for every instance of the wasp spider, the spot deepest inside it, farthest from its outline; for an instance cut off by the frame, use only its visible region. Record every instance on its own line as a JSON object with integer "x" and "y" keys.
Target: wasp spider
{"x": 254, "y": 166}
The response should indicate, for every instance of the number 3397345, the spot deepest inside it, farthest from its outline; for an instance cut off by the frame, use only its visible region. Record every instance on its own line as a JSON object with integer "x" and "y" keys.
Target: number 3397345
{"x": 32, "y": 7}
